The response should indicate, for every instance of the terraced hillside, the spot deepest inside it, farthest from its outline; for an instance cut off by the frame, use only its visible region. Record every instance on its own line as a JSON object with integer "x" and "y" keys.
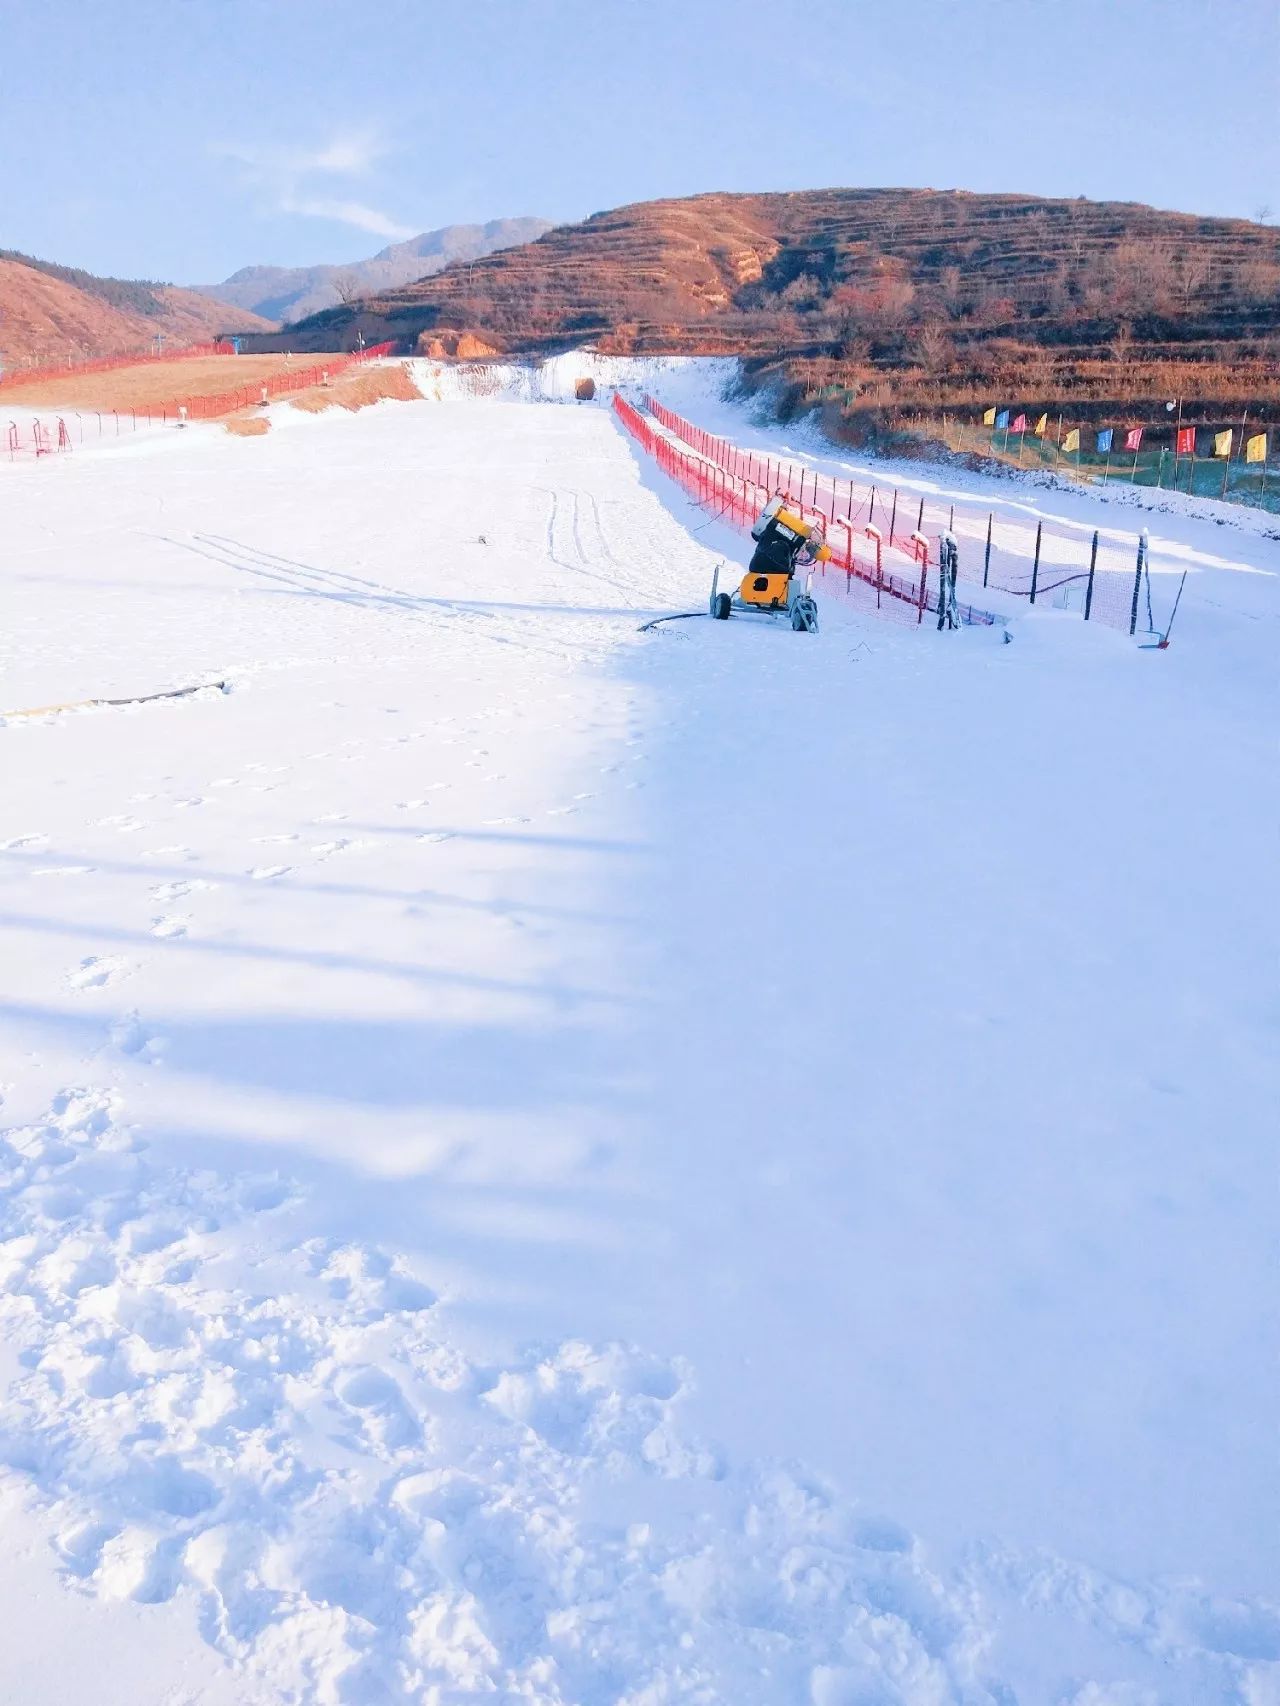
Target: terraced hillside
{"x": 899, "y": 298}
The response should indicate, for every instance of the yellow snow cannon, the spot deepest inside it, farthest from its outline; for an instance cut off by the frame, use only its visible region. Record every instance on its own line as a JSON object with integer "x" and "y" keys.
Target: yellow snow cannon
{"x": 779, "y": 577}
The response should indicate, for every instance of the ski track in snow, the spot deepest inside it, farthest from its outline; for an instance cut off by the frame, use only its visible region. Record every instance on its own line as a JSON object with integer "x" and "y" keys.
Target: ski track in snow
{"x": 216, "y": 1401}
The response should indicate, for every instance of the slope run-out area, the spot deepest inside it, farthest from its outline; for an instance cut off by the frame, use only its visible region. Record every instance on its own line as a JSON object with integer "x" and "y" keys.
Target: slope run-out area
{"x": 547, "y": 1162}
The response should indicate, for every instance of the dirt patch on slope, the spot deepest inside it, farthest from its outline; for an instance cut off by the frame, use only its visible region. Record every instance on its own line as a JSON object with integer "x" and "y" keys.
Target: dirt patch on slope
{"x": 248, "y": 426}
{"x": 359, "y": 387}
{"x": 154, "y": 383}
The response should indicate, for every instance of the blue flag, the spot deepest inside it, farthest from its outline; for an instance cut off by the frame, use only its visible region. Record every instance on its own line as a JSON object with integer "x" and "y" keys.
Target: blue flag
{"x": 1002, "y": 419}
{"x": 1104, "y": 441}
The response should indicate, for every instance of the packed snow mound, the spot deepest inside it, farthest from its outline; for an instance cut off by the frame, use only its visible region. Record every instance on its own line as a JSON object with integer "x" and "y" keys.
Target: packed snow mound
{"x": 692, "y": 380}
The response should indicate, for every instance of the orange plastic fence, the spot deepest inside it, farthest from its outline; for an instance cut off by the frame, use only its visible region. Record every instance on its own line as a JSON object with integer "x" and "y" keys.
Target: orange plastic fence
{"x": 104, "y": 364}
{"x": 857, "y": 566}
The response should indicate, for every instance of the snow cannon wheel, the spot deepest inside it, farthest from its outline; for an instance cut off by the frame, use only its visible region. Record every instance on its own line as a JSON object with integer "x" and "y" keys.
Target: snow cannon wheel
{"x": 804, "y": 616}
{"x": 720, "y": 606}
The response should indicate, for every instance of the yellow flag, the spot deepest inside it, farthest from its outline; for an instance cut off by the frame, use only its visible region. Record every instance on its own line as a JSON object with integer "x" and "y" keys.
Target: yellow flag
{"x": 989, "y": 419}
{"x": 1041, "y": 426}
{"x": 1072, "y": 440}
{"x": 1222, "y": 443}
{"x": 1255, "y": 449}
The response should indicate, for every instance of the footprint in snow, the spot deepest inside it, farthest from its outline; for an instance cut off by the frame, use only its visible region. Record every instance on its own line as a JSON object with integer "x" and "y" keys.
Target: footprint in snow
{"x": 122, "y": 821}
{"x": 168, "y": 928}
{"x": 561, "y": 811}
{"x": 17, "y": 841}
{"x": 493, "y": 822}
{"x": 436, "y": 835}
{"x": 176, "y": 890}
{"x": 344, "y": 844}
{"x": 97, "y": 971}
{"x": 267, "y": 840}
{"x": 63, "y": 871}
{"x": 130, "y": 1036}
{"x": 266, "y": 873}
{"x": 177, "y": 851}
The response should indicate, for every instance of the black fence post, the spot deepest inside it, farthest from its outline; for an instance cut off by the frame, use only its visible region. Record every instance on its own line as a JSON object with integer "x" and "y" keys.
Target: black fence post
{"x": 920, "y": 518}
{"x": 1137, "y": 583}
{"x": 1093, "y": 563}
{"x": 893, "y": 519}
{"x": 986, "y": 561}
{"x": 1035, "y": 567}
{"x": 871, "y": 513}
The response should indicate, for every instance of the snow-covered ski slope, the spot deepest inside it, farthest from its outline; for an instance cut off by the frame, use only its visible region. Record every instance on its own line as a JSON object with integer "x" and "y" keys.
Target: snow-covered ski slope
{"x": 551, "y": 1163}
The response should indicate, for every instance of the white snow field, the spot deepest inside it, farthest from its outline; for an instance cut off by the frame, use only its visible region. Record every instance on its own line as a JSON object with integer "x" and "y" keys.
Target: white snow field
{"x": 551, "y": 1163}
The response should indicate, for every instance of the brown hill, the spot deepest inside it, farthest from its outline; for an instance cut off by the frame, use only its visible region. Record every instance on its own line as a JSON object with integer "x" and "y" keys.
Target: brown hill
{"x": 896, "y": 298}
{"x": 49, "y": 315}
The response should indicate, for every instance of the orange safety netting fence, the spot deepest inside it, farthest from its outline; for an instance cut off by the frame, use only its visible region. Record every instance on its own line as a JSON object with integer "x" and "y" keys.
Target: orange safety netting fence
{"x": 47, "y": 433}
{"x": 1104, "y": 578}
{"x": 105, "y": 363}
{"x": 857, "y": 569}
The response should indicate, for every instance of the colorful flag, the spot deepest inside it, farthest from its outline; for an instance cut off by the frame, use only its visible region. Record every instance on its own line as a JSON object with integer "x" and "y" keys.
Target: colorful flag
{"x": 1002, "y": 419}
{"x": 1072, "y": 440}
{"x": 1133, "y": 439}
{"x": 1042, "y": 426}
{"x": 1104, "y": 441}
{"x": 989, "y": 419}
{"x": 1186, "y": 441}
{"x": 1255, "y": 449}
{"x": 1020, "y": 425}
{"x": 1222, "y": 443}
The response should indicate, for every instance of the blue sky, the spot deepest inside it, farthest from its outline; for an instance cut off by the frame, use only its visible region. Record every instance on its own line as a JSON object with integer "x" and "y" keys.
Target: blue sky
{"x": 180, "y": 139}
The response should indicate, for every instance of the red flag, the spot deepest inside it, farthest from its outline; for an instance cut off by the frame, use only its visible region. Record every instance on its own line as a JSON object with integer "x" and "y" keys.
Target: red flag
{"x": 1020, "y": 425}
{"x": 1133, "y": 439}
{"x": 1186, "y": 441}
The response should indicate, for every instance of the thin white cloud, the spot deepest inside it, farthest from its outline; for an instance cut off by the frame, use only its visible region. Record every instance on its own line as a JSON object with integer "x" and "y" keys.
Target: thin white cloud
{"x": 348, "y": 213}
{"x": 291, "y": 179}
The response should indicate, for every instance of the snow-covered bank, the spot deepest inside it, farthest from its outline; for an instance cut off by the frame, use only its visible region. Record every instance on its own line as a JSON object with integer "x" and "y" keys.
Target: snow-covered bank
{"x": 494, "y": 1093}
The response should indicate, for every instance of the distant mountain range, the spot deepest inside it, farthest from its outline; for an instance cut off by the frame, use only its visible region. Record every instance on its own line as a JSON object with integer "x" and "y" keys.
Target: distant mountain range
{"x": 287, "y": 294}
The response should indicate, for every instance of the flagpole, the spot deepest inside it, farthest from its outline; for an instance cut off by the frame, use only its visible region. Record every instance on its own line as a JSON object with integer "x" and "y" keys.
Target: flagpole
{"x": 1226, "y": 467}
{"x": 1177, "y": 442}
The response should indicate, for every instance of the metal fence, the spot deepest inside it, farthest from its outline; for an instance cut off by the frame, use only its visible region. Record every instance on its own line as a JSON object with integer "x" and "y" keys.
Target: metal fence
{"x": 858, "y": 570}
{"x": 1157, "y": 467}
{"x": 1102, "y": 575}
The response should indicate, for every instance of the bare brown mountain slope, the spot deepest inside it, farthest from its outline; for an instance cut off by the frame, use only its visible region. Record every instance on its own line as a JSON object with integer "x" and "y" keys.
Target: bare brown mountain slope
{"x": 44, "y": 318}
{"x": 904, "y": 298}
